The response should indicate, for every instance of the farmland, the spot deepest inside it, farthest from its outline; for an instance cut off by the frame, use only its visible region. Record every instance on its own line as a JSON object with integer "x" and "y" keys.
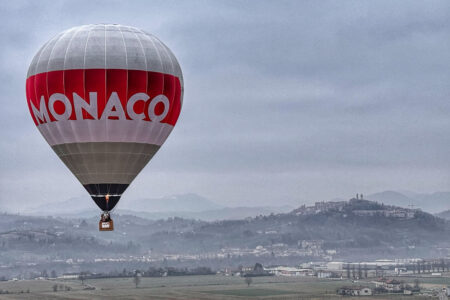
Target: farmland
{"x": 184, "y": 287}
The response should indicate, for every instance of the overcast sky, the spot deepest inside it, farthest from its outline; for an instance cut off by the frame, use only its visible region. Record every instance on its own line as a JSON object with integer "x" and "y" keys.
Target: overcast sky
{"x": 286, "y": 102}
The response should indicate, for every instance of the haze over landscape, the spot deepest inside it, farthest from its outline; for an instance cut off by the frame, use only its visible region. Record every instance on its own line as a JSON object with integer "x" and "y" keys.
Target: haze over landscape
{"x": 198, "y": 207}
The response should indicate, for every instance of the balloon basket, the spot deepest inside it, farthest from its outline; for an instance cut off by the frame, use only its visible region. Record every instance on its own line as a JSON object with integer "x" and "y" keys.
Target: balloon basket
{"x": 106, "y": 225}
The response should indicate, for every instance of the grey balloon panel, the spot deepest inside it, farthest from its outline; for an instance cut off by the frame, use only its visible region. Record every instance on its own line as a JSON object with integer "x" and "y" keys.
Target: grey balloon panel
{"x": 105, "y": 162}
{"x": 105, "y": 46}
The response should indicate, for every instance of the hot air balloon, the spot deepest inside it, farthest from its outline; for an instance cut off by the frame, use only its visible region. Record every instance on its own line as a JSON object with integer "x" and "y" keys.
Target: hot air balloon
{"x": 105, "y": 98}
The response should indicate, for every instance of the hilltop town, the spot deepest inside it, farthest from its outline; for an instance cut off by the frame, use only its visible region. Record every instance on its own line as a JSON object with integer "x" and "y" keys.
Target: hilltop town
{"x": 359, "y": 207}
{"x": 354, "y": 230}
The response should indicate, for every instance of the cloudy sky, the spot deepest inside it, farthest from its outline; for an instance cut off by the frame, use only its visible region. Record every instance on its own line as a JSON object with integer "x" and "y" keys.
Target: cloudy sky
{"x": 286, "y": 102}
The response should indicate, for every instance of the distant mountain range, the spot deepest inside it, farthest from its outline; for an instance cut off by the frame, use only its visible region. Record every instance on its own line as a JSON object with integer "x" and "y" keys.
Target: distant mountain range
{"x": 226, "y": 213}
{"x": 190, "y": 206}
{"x": 355, "y": 227}
{"x": 444, "y": 215}
{"x": 193, "y": 206}
{"x": 433, "y": 203}
{"x": 72, "y": 206}
{"x": 184, "y": 202}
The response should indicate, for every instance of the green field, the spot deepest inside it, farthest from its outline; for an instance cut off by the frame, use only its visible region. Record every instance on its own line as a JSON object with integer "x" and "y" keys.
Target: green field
{"x": 185, "y": 287}
{"x": 427, "y": 280}
{"x": 251, "y": 292}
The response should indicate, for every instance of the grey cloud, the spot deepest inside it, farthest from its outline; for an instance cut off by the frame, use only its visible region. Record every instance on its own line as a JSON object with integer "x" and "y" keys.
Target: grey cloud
{"x": 282, "y": 98}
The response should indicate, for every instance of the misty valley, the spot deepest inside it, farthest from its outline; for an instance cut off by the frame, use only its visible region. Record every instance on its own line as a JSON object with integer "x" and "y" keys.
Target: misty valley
{"x": 347, "y": 231}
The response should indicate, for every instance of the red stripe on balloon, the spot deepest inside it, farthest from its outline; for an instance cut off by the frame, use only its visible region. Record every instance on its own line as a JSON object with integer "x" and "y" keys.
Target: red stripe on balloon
{"x": 125, "y": 82}
{"x": 95, "y": 81}
{"x": 116, "y": 81}
{"x": 137, "y": 83}
{"x": 74, "y": 83}
{"x": 155, "y": 87}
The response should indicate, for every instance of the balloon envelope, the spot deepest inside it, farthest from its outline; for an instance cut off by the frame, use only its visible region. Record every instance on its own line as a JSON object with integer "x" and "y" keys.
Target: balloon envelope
{"x": 105, "y": 97}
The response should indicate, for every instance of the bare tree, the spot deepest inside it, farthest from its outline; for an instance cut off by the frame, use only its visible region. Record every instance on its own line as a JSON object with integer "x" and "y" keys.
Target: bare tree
{"x": 248, "y": 280}
{"x": 82, "y": 278}
{"x": 416, "y": 284}
{"x": 137, "y": 279}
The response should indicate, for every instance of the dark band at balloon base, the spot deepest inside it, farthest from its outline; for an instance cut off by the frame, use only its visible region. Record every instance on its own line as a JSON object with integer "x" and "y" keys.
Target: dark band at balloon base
{"x": 99, "y": 191}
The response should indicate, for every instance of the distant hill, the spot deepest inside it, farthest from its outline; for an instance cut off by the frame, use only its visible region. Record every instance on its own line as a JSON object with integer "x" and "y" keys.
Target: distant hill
{"x": 444, "y": 214}
{"x": 198, "y": 207}
{"x": 434, "y": 202}
{"x": 69, "y": 206}
{"x": 349, "y": 226}
{"x": 391, "y": 198}
{"x": 226, "y": 213}
{"x": 84, "y": 204}
{"x": 184, "y": 202}
{"x": 189, "y": 206}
